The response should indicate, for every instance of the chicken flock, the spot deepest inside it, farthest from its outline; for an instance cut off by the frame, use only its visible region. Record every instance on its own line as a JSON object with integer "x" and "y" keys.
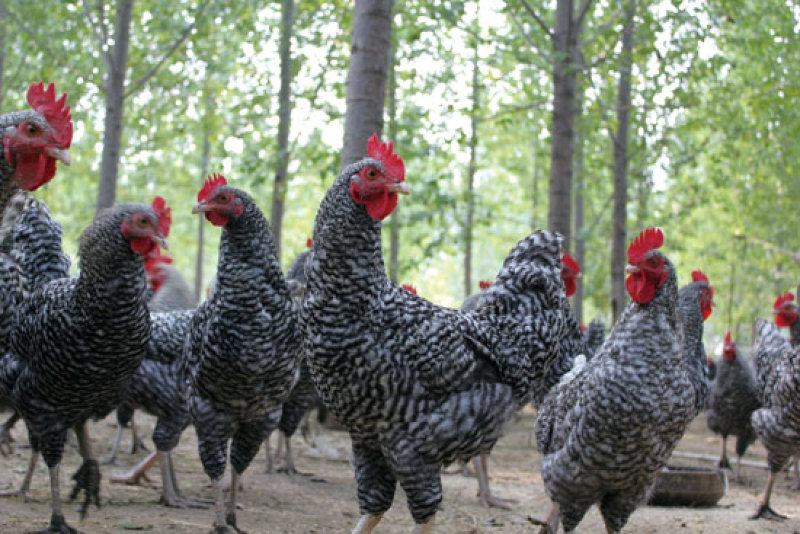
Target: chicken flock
{"x": 416, "y": 385}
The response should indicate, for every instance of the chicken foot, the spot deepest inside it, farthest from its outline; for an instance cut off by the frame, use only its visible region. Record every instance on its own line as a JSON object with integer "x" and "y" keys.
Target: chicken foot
{"x": 549, "y": 526}
{"x": 87, "y": 478}
{"x": 764, "y": 510}
{"x": 171, "y": 495}
{"x": 288, "y": 466}
{"x": 57, "y": 523}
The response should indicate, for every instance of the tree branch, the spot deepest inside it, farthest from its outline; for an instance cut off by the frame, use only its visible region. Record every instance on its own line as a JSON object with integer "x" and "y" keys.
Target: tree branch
{"x": 31, "y": 33}
{"x": 582, "y": 15}
{"x": 537, "y": 18}
{"x": 547, "y": 57}
{"x": 138, "y": 84}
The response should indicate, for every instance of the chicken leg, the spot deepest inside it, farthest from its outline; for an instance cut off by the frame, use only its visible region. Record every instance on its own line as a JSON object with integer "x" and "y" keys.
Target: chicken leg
{"x": 484, "y": 491}
{"x": 723, "y": 459}
{"x": 764, "y": 510}
{"x": 87, "y": 478}
{"x": 366, "y": 523}
{"x": 24, "y": 489}
{"x": 6, "y": 439}
{"x": 549, "y": 526}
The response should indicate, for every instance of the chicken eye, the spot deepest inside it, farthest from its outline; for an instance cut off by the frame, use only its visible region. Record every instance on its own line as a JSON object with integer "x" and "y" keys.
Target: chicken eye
{"x": 653, "y": 262}
{"x": 223, "y": 199}
{"x": 31, "y": 129}
{"x": 372, "y": 174}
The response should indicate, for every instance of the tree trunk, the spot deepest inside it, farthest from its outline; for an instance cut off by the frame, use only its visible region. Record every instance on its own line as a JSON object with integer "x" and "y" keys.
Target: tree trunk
{"x": 473, "y": 146}
{"x": 394, "y": 218}
{"x": 285, "y": 118}
{"x": 198, "y": 264}
{"x": 561, "y": 145}
{"x": 580, "y": 182}
{"x": 115, "y": 99}
{"x": 366, "y": 76}
{"x": 620, "y": 140}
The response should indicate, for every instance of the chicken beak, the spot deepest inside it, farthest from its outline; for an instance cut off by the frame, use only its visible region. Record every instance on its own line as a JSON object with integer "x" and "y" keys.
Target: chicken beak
{"x": 61, "y": 154}
{"x": 631, "y": 269}
{"x": 399, "y": 187}
{"x": 160, "y": 240}
{"x": 201, "y": 208}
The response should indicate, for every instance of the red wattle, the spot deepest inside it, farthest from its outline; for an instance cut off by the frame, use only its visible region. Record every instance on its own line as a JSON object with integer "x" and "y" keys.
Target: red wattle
{"x": 217, "y": 219}
{"x": 785, "y": 320}
{"x": 570, "y": 286}
{"x": 639, "y": 288}
{"x": 706, "y": 311}
{"x": 33, "y": 171}
{"x": 142, "y": 245}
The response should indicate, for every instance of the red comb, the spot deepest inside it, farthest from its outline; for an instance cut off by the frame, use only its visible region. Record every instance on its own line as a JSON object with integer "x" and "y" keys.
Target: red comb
{"x": 484, "y": 284}
{"x": 728, "y": 338}
{"x": 783, "y": 299}
{"x": 700, "y": 276}
{"x": 57, "y": 114}
{"x": 212, "y": 183}
{"x": 164, "y": 213}
{"x": 309, "y": 242}
{"x": 392, "y": 163}
{"x": 648, "y": 240}
{"x": 570, "y": 263}
{"x": 410, "y": 288}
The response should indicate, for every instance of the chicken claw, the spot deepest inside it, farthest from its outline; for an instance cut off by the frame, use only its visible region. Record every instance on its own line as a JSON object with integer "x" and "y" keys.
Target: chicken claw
{"x": 87, "y": 479}
{"x": 765, "y": 511}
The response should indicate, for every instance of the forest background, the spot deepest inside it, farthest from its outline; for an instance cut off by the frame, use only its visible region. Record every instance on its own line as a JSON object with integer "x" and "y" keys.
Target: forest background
{"x": 594, "y": 117}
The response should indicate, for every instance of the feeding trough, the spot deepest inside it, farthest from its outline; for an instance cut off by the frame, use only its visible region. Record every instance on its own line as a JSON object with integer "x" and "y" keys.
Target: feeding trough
{"x": 688, "y": 486}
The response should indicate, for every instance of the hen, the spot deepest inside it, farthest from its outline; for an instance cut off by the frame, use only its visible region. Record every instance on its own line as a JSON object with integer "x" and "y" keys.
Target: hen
{"x": 777, "y": 423}
{"x": 242, "y": 354}
{"x": 417, "y": 385}
{"x": 731, "y": 403}
{"x": 608, "y": 429}
{"x": 80, "y": 340}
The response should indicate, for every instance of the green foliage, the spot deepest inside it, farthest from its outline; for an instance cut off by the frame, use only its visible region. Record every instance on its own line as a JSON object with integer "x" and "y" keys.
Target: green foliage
{"x": 714, "y": 126}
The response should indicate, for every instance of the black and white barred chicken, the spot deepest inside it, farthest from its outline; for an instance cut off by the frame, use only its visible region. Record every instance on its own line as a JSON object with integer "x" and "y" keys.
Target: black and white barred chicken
{"x": 777, "y": 422}
{"x": 81, "y": 339}
{"x": 607, "y": 430}
{"x": 732, "y": 401}
{"x": 696, "y": 300}
{"x": 415, "y": 384}
{"x": 32, "y": 142}
{"x": 242, "y": 355}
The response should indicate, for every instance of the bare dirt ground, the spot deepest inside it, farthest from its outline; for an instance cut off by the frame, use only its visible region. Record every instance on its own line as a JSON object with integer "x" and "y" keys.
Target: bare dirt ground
{"x": 325, "y": 502}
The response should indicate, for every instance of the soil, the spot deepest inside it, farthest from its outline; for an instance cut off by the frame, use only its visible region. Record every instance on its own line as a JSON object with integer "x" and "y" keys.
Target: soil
{"x": 325, "y": 501}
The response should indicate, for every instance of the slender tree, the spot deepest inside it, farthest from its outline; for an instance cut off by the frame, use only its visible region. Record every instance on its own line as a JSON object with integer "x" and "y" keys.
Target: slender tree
{"x": 620, "y": 141}
{"x": 117, "y": 61}
{"x": 565, "y": 64}
{"x": 284, "y": 123}
{"x": 473, "y": 147}
{"x": 394, "y": 218}
{"x": 208, "y": 105}
{"x": 366, "y": 76}
{"x": 580, "y": 184}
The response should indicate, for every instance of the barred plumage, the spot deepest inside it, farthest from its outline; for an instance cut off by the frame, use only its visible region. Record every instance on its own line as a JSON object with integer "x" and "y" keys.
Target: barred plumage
{"x": 242, "y": 354}
{"x": 606, "y": 433}
{"x": 777, "y": 423}
{"x": 80, "y": 340}
{"x": 418, "y": 385}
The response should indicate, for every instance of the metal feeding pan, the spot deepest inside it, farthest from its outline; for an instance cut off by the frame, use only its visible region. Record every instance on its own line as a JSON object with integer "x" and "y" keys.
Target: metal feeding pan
{"x": 688, "y": 486}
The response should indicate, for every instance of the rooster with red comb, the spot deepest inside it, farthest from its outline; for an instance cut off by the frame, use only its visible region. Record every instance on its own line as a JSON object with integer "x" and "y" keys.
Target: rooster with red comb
{"x": 417, "y": 385}
{"x": 624, "y": 411}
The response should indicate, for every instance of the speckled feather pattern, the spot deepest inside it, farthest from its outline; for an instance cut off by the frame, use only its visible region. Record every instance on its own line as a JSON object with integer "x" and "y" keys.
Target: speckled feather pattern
{"x": 606, "y": 433}
{"x": 242, "y": 353}
{"x": 694, "y": 352}
{"x": 777, "y": 423}
{"x": 417, "y": 384}
{"x": 82, "y": 339}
